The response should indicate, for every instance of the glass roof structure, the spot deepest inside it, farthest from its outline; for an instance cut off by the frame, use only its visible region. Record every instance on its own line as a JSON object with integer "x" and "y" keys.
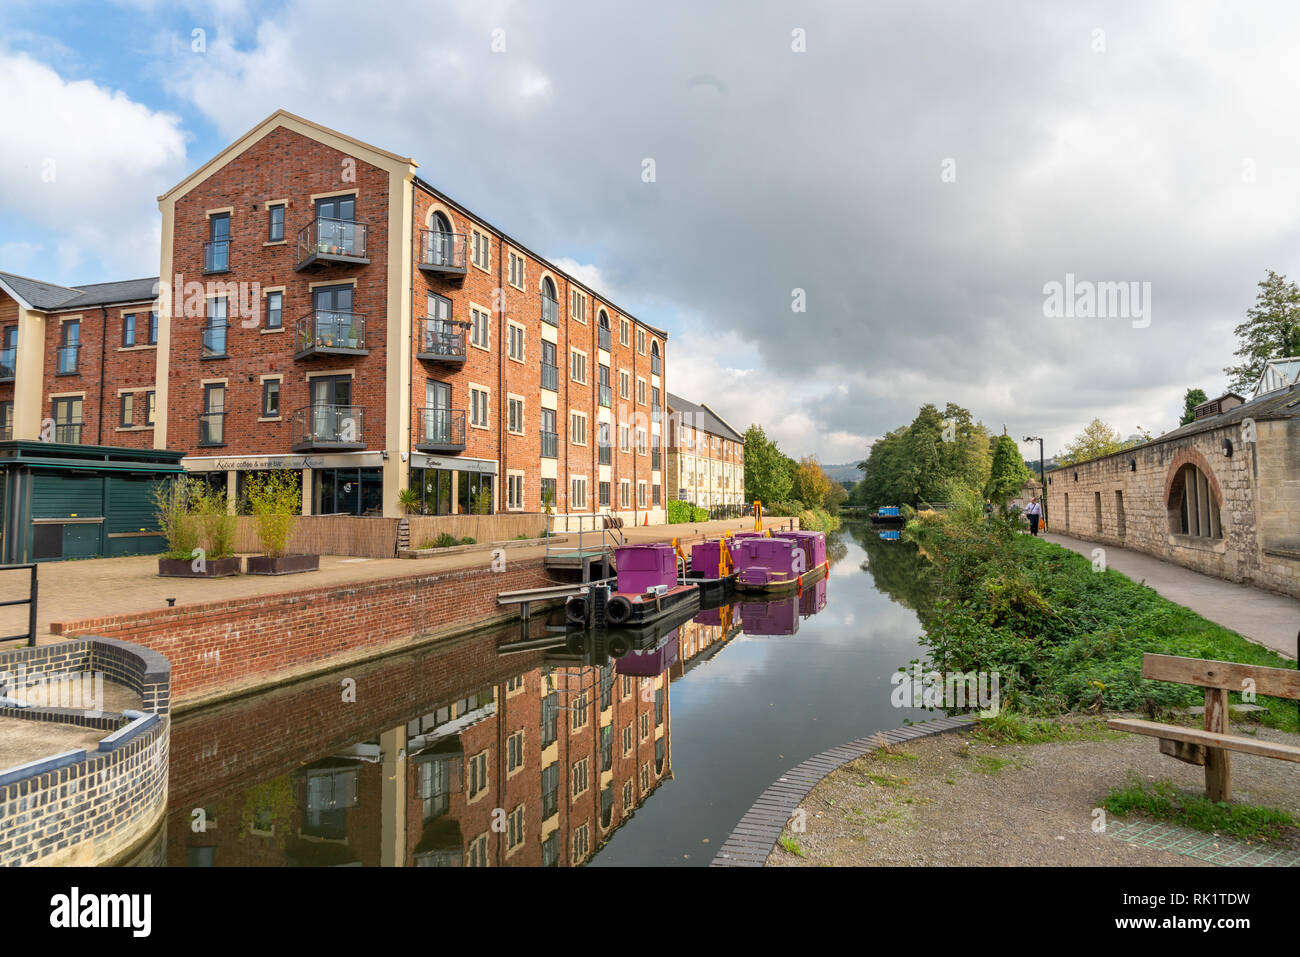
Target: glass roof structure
{"x": 1278, "y": 374}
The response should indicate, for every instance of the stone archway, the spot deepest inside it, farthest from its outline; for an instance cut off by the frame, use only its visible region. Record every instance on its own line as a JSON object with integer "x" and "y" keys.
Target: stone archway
{"x": 1192, "y": 498}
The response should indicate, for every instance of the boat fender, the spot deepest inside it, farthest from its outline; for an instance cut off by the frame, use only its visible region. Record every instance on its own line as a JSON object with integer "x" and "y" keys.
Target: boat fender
{"x": 576, "y": 609}
{"x": 618, "y": 610}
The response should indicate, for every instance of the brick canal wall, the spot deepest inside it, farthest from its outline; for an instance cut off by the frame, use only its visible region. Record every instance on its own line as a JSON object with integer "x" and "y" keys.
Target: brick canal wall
{"x": 88, "y": 807}
{"x": 260, "y": 640}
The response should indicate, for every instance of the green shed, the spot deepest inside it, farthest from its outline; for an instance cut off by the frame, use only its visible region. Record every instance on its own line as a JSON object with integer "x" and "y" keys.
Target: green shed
{"x": 79, "y": 501}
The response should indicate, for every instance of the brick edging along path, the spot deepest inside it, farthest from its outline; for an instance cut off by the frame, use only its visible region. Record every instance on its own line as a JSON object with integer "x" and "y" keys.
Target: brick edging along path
{"x": 756, "y": 834}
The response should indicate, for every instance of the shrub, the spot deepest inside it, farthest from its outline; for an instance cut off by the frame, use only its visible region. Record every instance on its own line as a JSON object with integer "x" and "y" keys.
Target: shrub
{"x": 275, "y": 499}
{"x": 444, "y": 540}
{"x": 679, "y": 512}
{"x": 172, "y": 507}
{"x": 468, "y": 541}
{"x": 217, "y": 521}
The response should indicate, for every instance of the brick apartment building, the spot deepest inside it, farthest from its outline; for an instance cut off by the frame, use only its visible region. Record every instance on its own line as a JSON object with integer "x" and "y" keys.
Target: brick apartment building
{"x": 706, "y": 456}
{"x": 325, "y": 309}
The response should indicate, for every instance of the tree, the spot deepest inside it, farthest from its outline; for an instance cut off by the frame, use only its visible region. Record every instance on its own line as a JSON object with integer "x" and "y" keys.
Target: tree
{"x": 810, "y": 484}
{"x": 1096, "y": 439}
{"x": 1008, "y": 474}
{"x": 767, "y": 469}
{"x": 1191, "y": 400}
{"x": 837, "y": 496}
{"x": 922, "y": 461}
{"x": 1271, "y": 330}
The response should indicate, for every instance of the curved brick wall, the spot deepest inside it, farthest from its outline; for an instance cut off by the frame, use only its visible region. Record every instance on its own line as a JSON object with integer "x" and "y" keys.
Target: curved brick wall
{"x": 116, "y": 795}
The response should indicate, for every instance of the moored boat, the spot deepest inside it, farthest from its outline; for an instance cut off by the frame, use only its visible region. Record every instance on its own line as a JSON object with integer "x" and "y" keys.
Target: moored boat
{"x": 887, "y": 515}
{"x": 779, "y": 565}
{"x": 647, "y": 589}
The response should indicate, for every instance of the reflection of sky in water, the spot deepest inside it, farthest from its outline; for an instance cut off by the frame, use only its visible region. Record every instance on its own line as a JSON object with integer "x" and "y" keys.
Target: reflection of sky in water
{"x": 763, "y": 704}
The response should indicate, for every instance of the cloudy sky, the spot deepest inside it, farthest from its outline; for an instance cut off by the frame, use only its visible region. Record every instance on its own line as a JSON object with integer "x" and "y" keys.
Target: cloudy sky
{"x": 915, "y": 173}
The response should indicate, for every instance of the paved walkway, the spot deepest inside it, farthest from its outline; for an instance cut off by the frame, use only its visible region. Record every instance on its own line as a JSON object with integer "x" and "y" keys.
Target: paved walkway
{"x": 1264, "y": 617}
{"x": 73, "y": 590}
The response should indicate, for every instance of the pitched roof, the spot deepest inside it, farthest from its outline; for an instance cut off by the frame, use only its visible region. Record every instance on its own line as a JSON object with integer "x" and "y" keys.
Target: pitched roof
{"x": 48, "y": 296}
{"x": 703, "y": 418}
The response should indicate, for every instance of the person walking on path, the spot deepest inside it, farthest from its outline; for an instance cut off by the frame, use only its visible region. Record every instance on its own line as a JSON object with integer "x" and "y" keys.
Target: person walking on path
{"x": 1033, "y": 511}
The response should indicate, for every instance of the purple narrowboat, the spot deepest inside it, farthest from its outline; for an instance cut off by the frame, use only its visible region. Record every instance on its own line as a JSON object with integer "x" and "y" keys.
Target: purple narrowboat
{"x": 778, "y": 565}
{"x": 780, "y": 617}
{"x": 647, "y": 589}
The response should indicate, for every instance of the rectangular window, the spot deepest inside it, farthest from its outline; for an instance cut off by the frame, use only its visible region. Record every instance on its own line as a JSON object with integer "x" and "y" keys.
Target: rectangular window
{"x": 270, "y": 398}
{"x": 515, "y": 833}
{"x": 640, "y": 391}
{"x": 578, "y": 493}
{"x": 514, "y": 491}
{"x": 480, "y": 250}
{"x": 604, "y": 494}
{"x": 640, "y": 341}
{"x": 623, "y": 442}
{"x": 578, "y": 306}
{"x": 214, "y": 330}
{"x": 640, "y": 442}
{"x": 578, "y": 366}
{"x": 275, "y": 310}
{"x": 516, "y": 270}
{"x": 624, "y": 494}
{"x": 578, "y": 428}
{"x": 479, "y": 328}
{"x": 579, "y": 776}
{"x": 478, "y": 407}
{"x": 624, "y": 385}
{"x": 640, "y": 494}
{"x": 517, "y": 343}
{"x": 212, "y": 422}
{"x": 153, "y": 328}
{"x": 216, "y": 255}
{"x": 476, "y": 854}
{"x": 67, "y": 419}
{"x": 275, "y": 224}
{"x": 69, "y": 346}
{"x": 515, "y": 415}
{"x": 654, "y": 495}
{"x": 128, "y": 409}
{"x": 548, "y": 492}
{"x": 624, "y": 333}
{"x": 128, "y": 329}
{"x": 476, "y": 775}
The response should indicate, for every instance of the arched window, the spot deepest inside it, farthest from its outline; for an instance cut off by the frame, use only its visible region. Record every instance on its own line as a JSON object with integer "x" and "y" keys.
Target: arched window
{"x": 602, "y": 331}
{"x": 550, "y": 302}
{"x": 439, "y": 223}
{"x": 438, "y": 242}
{"x": 604, "y": 319}
{"x": 1193, "y": 509}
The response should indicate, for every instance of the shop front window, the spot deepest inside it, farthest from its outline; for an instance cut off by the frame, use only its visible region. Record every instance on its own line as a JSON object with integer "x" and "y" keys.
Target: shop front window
{"x": 475, "y": 493}
{"x": 349, "y": 492}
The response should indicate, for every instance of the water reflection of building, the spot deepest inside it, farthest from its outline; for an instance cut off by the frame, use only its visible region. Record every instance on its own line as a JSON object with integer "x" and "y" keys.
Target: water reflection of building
{"x": 539, "y": 767}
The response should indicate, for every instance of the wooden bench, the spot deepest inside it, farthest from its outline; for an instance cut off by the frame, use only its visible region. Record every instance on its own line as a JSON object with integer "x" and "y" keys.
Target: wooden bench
{"x": 1211, "y": 746}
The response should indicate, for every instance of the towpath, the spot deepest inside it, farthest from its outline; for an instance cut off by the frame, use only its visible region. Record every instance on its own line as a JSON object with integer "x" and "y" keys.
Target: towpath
{"x": 1264, "y": 617}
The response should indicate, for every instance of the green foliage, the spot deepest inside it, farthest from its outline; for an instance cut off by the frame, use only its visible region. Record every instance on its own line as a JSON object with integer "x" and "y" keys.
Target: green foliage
{"x": 410, "y": 499}
{"x": 1062, "y": 636}
{"x": 1008, "y": 474}
{"x": 468, "y": 541}
{"x": 809, "y": 483}
{"x": 481, "y": 502}
{"x": 918, "y": 462}
{"x": 275, "y": 501}
{"x": 768, "y": 471}
{"x": 173, "y": 507}
{"x": 838, "y": 495}
{"x": 1191, "y": 400}
{"x": 1271, "y": 331}
{"x": 1162, "y": 800}
{"x": 444, "y": 540}
{"x": 679, "y": 512}
{"x": 1096, "y": 439}
{"x": 1007, "y": 727}
{"x": 818, "y": 519}
{"x": 792, "y": 845}
{"x": 216, "y": 519}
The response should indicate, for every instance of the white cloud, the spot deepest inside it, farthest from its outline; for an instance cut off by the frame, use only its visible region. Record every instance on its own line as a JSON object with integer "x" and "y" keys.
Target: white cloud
{"x": 85, "y": 163}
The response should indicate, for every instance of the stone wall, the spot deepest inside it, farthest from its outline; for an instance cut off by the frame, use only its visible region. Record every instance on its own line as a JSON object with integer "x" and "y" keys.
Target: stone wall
{"x": 1256, "y": 489}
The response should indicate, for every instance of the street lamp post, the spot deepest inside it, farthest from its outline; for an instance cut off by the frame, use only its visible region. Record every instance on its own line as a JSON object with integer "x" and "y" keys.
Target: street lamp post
{"x": 1042, "y": 476}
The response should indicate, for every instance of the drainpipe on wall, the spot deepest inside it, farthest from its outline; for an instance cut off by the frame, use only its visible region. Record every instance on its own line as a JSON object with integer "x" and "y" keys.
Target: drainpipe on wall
{"x": 103, "y": 351}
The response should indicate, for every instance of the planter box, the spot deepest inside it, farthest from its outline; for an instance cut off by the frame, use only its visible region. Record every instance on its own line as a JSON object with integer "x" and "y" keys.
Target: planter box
{"x": 184, "y": 568}
{"x": 284, "y": 565}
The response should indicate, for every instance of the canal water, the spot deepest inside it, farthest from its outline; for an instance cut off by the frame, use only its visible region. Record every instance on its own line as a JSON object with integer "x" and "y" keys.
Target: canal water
{"x": 524, "y": 746}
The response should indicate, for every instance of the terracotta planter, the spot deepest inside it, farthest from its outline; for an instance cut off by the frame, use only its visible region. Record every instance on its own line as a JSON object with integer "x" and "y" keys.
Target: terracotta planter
{"x": 284, "y": 565}
{"x": 184, "y": 568}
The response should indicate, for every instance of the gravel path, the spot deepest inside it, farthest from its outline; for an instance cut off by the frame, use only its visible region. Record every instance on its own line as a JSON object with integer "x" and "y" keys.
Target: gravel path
{"x": 955, "y": 800}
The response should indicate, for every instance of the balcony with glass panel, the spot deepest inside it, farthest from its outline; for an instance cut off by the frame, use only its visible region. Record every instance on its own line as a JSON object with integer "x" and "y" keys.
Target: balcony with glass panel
{"x": 440, "y": 340}
{"x": 602, "y": 337}
{"x": 326, "y": 332}
{"x": 326, "y": 241}
{"x": 550, "y": 310}
{"x": 442, "y": 254}
{"x": 212, "y": 429}
{"x": 8, "y": 360}
{"x": 550, "y": 377}
{"x": 216, "y": 256}
{"x": 66, "y": 358}
{"x": 550, "y": 445}
{"x": 328, "y": 428}
{"x": 440, "y": 430}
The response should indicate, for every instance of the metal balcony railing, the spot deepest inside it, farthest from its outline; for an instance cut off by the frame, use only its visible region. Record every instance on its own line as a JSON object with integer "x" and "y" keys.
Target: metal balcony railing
{"x": 550, "y": 445}
{"x": 213, "y": 345}
{"x": 324, "y": 331}
{"x": 550, "y": 377}
{"x": 66, "y": 358}
{"x": 602, "y": 337}
{"x": 8, "y": 359}
{"x": 212, "y": 428}
{"x": 331, "y": 240}
{"x": 440, "y": 340}
{"x": 654, "y": 458}
{"x": 442, "y": 252}
{"x": 604, "y": 453}
{"x": 550, "y": 311}
{"x": 328, "y": 426}
{"x": 654, "y": 365}
{"x": 216, "y": 256}
{"x": 440, "y": 430}
{"x": 606, "y": 396}
{"x": 68, "y": 433}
